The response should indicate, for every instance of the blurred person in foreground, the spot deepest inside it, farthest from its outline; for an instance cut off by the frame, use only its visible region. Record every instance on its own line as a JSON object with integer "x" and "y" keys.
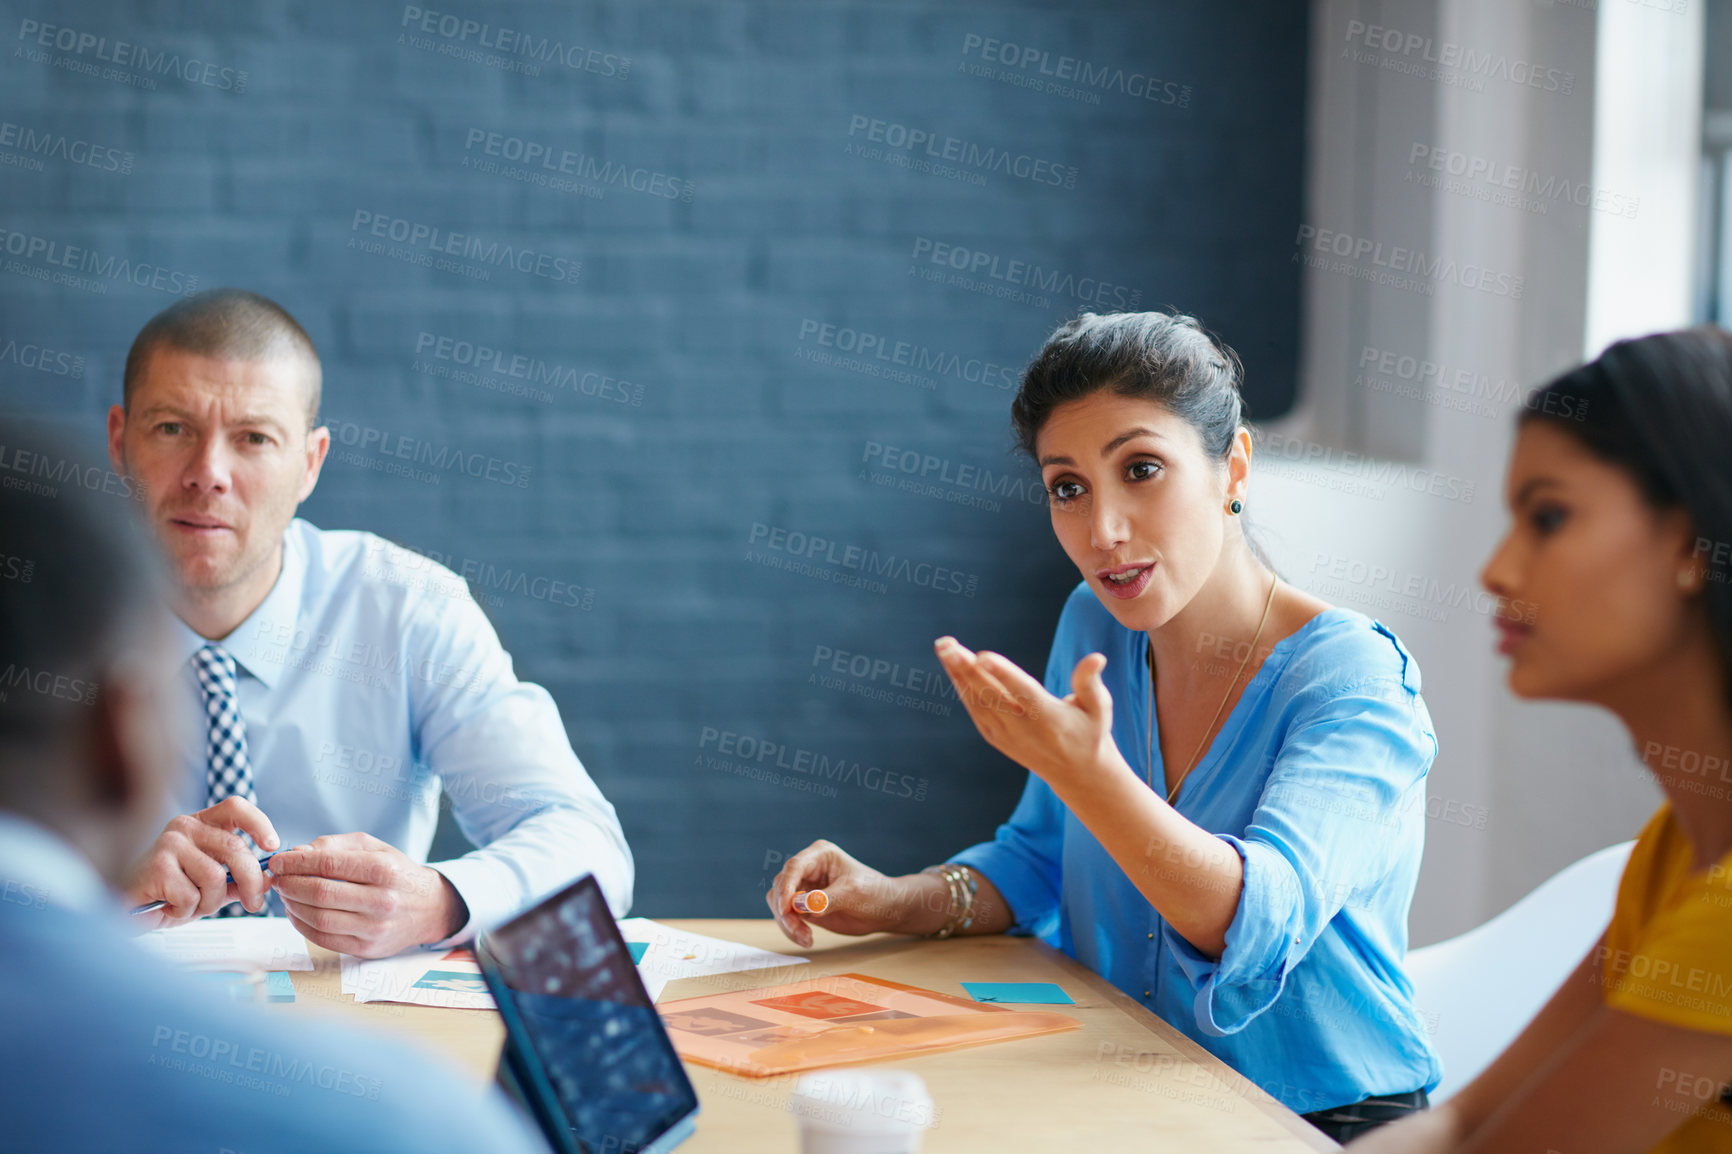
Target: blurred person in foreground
{"x": 1226, "y": 802}
{"x": 343, "y": 682}
{"x": 1620, "y": 499}
{"x": 102, "y": 1046}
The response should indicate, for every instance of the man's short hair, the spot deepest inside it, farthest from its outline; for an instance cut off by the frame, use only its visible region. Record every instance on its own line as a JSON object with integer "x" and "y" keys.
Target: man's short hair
{"x": 78, "y": 589}
{"x": 230, "y": 323}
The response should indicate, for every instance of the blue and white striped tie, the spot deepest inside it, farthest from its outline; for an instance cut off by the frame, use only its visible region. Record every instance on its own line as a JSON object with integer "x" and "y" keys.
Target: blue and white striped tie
{"x": 228, "y": 773}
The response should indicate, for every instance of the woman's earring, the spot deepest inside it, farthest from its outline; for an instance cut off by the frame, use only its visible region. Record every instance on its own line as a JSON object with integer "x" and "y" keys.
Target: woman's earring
{"x": 1687, "y": 580}
{"x": 1236, "y": 507}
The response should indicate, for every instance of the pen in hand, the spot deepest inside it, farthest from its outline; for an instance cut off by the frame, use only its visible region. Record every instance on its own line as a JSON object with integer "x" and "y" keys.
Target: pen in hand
{"x": 811, "y": 901}
{"x": 229, "y": 875}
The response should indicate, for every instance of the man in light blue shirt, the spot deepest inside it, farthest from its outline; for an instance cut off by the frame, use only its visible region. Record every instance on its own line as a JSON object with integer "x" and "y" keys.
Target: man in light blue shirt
{"x": 102, "y": 1046}
{"x": 339, "y": 682}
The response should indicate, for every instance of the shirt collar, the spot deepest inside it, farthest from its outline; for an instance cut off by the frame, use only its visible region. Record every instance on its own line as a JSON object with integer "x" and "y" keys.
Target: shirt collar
{"x": 269, "y": 627}
{"x": 40, "y": 868}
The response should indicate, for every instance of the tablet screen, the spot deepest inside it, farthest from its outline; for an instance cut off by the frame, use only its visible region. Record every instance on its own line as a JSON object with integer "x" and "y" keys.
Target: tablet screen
{"x": 592, "y": 1028}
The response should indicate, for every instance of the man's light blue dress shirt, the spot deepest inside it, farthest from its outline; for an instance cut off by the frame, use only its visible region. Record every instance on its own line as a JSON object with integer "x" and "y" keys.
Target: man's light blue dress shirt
{"x": 1317, "y": 780}
{"x": 370, "y": 681}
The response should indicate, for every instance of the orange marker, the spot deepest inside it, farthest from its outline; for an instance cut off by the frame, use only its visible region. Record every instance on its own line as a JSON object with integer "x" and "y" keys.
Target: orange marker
{"x": 811, "y": 901}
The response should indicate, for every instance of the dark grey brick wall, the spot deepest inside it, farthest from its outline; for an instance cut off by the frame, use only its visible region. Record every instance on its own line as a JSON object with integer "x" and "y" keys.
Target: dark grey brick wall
{"x": 672, "y": 419}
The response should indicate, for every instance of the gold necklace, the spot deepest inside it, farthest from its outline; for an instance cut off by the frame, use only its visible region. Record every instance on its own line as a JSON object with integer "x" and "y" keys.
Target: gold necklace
{"x": 1149, "y": 753}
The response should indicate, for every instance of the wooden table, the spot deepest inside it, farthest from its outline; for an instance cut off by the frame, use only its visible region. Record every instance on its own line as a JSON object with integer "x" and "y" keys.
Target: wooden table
{"x": 1126, "y": 1080}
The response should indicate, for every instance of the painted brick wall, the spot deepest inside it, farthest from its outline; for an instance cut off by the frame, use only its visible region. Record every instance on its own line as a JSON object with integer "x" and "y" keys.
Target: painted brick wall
{"x": 724, "y": 303}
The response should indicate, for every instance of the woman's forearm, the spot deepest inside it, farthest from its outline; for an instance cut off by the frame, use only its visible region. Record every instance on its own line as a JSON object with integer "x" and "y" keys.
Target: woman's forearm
{"x": 1191, "y": 877}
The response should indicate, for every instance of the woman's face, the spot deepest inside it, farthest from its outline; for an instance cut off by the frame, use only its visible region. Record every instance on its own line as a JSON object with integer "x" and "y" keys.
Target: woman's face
{"x": 1588, "y": 574}
{"x": 1138, "y": 505}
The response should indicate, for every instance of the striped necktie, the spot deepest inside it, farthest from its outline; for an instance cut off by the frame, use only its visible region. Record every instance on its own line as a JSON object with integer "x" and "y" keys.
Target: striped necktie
{"x": 228, "y": 773}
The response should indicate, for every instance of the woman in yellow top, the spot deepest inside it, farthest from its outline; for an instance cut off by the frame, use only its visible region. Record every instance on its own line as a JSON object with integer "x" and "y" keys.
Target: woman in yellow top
{"x": 1620, "y": 489}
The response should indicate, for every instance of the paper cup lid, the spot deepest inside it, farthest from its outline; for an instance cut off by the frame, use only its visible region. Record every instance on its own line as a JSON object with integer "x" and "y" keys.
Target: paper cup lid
{"x": 867, "y": 1101}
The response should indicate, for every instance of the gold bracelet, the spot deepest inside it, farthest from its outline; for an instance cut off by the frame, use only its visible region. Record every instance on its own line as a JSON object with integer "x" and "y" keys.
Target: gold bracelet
{"x": 962, "y": 888}
{"x": 965, "y": 877}
{"x": 949, "y": 927}
{"x": 950, "y": 892}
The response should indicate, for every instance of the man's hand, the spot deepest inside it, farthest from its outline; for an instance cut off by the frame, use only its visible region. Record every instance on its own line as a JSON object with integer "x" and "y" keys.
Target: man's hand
{"x": 189, "y": 863}
{"x": 355, "y": 894}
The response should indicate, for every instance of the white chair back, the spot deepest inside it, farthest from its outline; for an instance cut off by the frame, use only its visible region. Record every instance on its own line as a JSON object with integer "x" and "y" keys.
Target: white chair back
{"x": 1477, "y": 991}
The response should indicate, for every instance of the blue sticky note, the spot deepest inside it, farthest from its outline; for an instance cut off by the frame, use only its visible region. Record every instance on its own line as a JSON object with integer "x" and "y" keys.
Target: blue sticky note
{"x": 638, "y": 950}
{"x": 279, "y": 987}
{"x": 1028, "y": 993}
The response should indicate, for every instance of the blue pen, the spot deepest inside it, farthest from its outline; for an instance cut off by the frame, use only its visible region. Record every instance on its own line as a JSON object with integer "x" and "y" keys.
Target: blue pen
{"x": 152, "y": 907}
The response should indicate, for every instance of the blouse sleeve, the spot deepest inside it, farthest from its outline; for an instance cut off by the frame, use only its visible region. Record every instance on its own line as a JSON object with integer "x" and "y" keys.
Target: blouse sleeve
{"x": 1673, "y": 968}
{"x": 1023, "y": 860}
{"x": 1345, "y": 795}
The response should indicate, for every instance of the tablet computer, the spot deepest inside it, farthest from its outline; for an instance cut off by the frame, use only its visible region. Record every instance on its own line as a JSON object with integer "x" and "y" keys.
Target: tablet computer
{"x": 585, "y": 1052}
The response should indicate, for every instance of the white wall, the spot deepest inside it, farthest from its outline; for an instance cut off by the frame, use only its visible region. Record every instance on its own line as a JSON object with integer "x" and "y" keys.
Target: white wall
{"x": 1647, "y": 138}
{"x": 1519, "y": 789}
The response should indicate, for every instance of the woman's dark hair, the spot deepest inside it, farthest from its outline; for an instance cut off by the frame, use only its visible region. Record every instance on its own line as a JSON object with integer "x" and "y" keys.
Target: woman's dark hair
{"x": 1167, "y": 358}
{"x": 1660, "y": 408}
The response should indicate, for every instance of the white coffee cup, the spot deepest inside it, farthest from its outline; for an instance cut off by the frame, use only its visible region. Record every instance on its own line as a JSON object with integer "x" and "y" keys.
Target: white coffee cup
{"x": 861, "y": 1111}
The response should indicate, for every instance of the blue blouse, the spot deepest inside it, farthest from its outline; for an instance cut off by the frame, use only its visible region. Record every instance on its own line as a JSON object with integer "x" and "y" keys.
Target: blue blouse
{"x": 1317, "y": 780}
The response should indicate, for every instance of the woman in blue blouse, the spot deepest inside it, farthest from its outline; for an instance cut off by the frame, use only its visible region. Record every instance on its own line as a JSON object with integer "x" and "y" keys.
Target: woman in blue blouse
{"x": 1226, "y": 806}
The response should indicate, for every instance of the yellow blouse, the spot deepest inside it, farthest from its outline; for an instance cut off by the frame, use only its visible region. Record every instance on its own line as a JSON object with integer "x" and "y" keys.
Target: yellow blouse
{"x": 1669, "y": 959}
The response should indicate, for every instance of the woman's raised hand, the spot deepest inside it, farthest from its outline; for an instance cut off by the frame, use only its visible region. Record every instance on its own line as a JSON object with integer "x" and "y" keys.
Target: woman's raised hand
{"x": 1062, "y": 740}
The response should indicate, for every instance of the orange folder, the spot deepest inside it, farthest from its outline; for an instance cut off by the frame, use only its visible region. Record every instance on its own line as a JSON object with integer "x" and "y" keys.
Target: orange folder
{"x": 838, "y": 1021}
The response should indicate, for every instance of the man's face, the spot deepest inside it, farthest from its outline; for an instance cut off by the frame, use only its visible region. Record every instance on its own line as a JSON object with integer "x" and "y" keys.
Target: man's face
{"x": 222, "y": 452}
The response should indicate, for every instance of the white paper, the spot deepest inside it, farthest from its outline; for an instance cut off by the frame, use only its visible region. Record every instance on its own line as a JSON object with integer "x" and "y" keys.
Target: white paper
{"x": 232, "y": 944}
{"x": 451, "y": 979}
{"x": 448, "y": 979}
{"x": 675, "y": 954}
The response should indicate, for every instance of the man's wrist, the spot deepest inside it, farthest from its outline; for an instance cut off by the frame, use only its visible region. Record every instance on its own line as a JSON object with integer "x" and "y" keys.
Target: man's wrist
{"x": 453, "y": 911}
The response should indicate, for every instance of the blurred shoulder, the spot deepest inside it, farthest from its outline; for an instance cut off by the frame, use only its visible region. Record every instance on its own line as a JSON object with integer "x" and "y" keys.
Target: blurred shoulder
{"x": 185, "y": 1069}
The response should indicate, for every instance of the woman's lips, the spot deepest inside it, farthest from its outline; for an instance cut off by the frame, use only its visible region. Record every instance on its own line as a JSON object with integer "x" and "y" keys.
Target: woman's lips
{"x": 1140, "y": 576}
{"x": 1511, "y": 634}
